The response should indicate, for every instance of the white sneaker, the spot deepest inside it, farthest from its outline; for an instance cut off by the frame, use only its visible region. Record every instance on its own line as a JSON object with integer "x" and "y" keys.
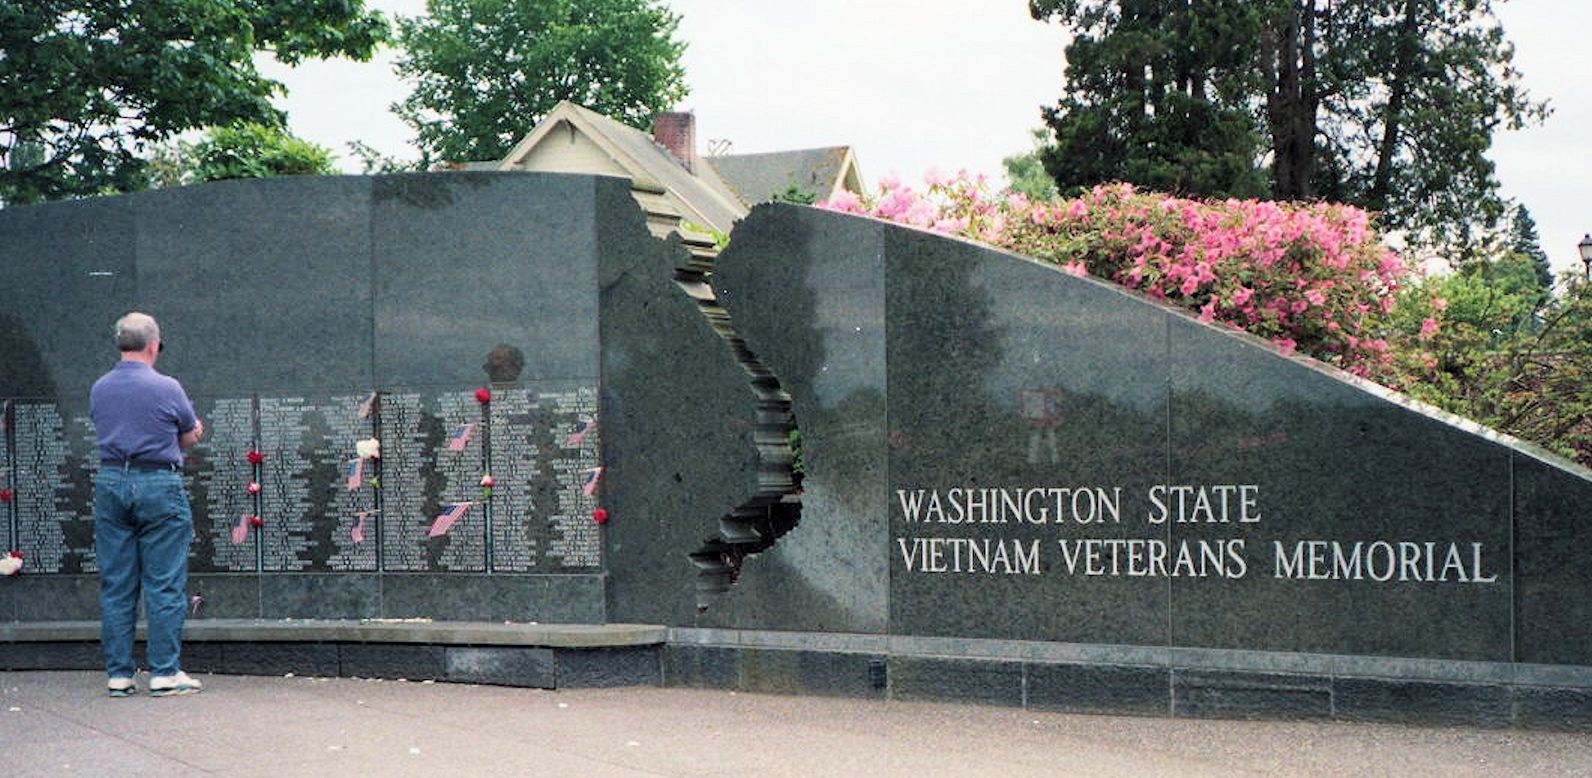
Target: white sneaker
{"x": 121, "y": 687}
{"x": 172, "y": 685}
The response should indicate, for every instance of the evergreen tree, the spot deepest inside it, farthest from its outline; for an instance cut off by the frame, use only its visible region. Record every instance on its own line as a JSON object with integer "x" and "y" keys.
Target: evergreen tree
{"x": 1523, "y": 241}
{"x": 1157, "y": 94}
{"x": 1386, "y": 104}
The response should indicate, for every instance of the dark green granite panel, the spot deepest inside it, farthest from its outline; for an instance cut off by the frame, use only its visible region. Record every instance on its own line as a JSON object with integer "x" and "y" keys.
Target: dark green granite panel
{"x": 811, "y": 672}
{"x": 701, "y": 667}
{"x": 235, "y": 596}
{"x": 1553, "y": 612}
{"x": 1027, "y": 410}
{"x": 67, "y": 272}
{"x": 502, "y": 666}
{"x": 591, "y": 668}
{"x": 392, "y": 660}
{"x": 1565, "y": 709}
{"x": 1227, "y": 694}
{"x": 260, "y": 284}
{"x": 311, "y": 659}
{"x": 320, "y": 596}
{"x": 459, "y": 597}
{"x": 57, "y": 598}
{"x": 1420, "y": 702}
{"x": 1113, "y": 689}
{"x": 201, "y": 657}
{"x": 466, "y": 262}
{"x": 52, "y": 656}
{"x": 805, "y": 290}
{"x": 677, "y": 415}
{"x": 956, "y": 680}
{"x": 1318, "y": 460}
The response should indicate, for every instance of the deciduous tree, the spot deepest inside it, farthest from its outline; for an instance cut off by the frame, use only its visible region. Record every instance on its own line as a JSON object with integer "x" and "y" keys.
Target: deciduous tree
{"x": 486, "y": 71}
{"x": 89, "y": 87}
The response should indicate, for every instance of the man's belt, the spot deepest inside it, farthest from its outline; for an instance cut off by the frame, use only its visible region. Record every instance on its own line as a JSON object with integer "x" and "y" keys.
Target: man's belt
{"x": 140, "y": 464}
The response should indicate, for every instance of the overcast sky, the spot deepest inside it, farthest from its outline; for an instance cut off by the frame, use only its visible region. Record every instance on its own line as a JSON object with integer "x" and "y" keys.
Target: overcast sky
{"x": 951, "y": 84}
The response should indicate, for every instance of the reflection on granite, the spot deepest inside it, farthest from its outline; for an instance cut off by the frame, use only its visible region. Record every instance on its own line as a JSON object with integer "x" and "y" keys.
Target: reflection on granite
{"x": 1333, "y": 464}
{"x": 66, "y": 274}
{"x": 467, "y": 262}
{"x": 259, "y": 284}
{"x": 807, "y": 297}
{"x": 678, "y": 421}
{"x": 1553, "y": 617}
{"x": 999, "y": 385}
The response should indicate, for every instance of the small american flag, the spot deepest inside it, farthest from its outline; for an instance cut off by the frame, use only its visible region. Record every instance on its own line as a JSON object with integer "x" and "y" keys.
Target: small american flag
{"x": 584, "y": 428}
{"x": 240, "y": 531}
{"x": 461, "y": 437}
{"x": 356, "y": 473}
{"x": 589, "y": 481}
{"x": 445, "y": 520}
{"x": 358, "y": 532}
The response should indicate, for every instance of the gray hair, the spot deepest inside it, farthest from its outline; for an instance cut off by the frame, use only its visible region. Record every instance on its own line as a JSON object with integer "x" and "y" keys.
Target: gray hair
{"x": 135, "y": 330}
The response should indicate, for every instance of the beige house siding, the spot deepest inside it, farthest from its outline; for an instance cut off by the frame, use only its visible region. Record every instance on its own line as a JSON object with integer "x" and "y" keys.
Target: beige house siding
{"x": 566, "y": 150}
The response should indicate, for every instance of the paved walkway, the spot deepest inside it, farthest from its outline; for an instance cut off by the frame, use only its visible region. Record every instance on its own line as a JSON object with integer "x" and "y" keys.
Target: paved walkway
{"x": 58, "y": 723}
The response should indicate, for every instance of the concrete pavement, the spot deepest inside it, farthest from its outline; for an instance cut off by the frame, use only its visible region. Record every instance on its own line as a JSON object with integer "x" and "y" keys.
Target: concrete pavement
{"x": 60, "y": 723}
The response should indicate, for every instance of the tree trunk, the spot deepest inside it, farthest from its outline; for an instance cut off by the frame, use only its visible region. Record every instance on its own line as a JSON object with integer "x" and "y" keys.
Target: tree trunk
{"x": 1293, "y": 100}
{"x": 1398, "y": 91}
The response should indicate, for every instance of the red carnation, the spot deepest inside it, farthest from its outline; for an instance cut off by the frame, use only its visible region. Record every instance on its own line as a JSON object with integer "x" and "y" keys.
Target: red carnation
{"x": 6, "y": 495}
{"x": 600, "y": 515}
{"x": 17, "y": 554}
{"x": 483, "y": 395}
{"x": 255, "y": 457}
{"x": 254, "y": 487}
{"x": 256, "y": 521}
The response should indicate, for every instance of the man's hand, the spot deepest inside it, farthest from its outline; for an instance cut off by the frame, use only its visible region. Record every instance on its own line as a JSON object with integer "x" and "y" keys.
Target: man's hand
{"x": 189, "y": 438}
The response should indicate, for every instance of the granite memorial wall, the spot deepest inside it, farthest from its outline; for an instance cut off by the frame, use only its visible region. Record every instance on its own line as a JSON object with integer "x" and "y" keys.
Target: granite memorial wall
{"x": 998, "y": 459}
{"x": 997, "y": 450}
{"x": 309, "y": 318}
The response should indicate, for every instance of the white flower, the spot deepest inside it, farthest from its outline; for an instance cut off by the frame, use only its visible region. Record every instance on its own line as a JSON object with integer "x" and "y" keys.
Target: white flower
{"x": 369, "y": 448}
{"x": 9, "y": 565}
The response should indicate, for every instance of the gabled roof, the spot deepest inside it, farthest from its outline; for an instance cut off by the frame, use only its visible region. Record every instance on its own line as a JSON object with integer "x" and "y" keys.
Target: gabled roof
{"x": 707, "y": 200}
{"x": 756, "y": 178}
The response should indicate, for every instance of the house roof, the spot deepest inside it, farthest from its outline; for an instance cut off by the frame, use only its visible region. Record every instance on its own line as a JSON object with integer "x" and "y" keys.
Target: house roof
{"x": 706, "y": 197}
{"x": 757, "y": 178}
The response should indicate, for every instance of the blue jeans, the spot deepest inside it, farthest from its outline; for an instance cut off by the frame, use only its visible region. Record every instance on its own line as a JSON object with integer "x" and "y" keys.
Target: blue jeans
{"x": 142, "y": 529}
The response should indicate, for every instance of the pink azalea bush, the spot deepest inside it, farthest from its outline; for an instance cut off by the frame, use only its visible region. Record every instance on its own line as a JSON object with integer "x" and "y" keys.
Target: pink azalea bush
{"x": 1311, "y": 277}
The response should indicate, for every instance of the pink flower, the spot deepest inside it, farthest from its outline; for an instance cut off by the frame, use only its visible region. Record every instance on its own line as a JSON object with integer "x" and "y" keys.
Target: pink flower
{"x": 844, "y": 201}
{"x": 1077, "y": 210}
{"x": 1314, "y": 297}
{"x": 1076, "y": 268}
{"x": 1429, "y": 328}
{"x": 1242, "y": 296}
{"x": 1439, "y": 304}
{"x": 487, "y": 481}
{"x": 1190, "y": 286}
{"x": 1208, "y": 311}
{"x": 253, "y": 487}
{"x": 483, "y": 395}
{"x": 1285, "y": 346}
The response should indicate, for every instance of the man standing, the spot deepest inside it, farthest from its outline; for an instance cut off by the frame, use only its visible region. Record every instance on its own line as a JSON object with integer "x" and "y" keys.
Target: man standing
{"x": 142, "y": 522}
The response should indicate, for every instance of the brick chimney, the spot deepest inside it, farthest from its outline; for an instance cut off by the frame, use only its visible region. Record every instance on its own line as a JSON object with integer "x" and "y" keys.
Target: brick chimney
{"x": 676, "y": 131}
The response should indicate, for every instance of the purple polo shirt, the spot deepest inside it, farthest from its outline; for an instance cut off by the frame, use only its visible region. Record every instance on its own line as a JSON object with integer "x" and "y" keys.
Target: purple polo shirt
{"x": 138, "y": 414}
